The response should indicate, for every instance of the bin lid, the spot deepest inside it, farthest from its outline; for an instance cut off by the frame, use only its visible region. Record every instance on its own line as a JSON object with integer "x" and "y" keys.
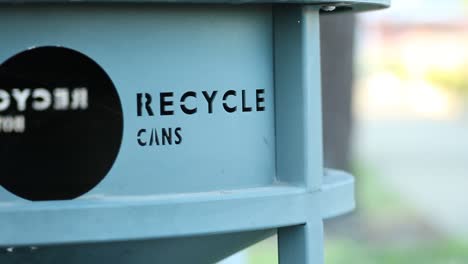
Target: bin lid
{"x": 342, "y": 5}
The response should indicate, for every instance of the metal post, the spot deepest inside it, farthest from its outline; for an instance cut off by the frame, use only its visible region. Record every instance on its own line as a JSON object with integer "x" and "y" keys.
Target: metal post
{"x": 298, "y": 124}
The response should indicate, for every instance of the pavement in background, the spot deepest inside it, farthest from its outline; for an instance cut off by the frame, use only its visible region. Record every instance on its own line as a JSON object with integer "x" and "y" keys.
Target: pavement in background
{"x": 425, "y": 162}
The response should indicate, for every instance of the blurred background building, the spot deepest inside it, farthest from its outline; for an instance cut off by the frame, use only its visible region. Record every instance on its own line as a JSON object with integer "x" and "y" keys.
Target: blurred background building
{"x": 403, "y": 133}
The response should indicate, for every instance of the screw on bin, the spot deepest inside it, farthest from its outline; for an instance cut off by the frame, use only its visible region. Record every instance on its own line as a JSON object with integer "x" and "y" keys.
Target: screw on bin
{"x": 328, "y": 8}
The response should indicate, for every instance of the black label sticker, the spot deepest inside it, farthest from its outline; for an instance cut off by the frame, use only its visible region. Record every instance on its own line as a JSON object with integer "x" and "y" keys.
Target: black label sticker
{"x": 61, "y": 124}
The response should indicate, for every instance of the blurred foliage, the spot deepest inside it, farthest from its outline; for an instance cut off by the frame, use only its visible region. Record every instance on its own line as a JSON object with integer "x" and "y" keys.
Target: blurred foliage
{"x": 377, "y": 203}
{"x": 396, "y": 67}
{"x": 374, "y": 198}
{"x": 440, "y": 252}
{"x": 265, "y": 252}
{"x": 455, "y": 80}
{"x": 347, "y": 251}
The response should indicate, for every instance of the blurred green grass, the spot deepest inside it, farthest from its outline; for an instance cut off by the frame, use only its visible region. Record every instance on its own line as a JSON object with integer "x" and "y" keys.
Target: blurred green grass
{"x": 375, "y": 199}
{"x": 347, "y": 251}
{"x": 377, "y": 204}
{"x": 435, "y": 252}
{"x": 265, "y": 252}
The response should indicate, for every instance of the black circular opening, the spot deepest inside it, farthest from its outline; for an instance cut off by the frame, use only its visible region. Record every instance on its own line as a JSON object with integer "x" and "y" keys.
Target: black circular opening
{"x": 61, "y": 124}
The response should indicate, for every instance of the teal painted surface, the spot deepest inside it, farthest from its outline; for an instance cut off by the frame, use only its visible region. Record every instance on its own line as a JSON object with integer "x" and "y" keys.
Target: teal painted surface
{"x": 146, "y": 217}
{"x": 236, "y": 179}
{"x": 177, "y": 50}
{"x": 299, "y": 125}
{"x": 298, "y": 99}
{"x": 346, "y": 5}
{"x": 193, "y": 250}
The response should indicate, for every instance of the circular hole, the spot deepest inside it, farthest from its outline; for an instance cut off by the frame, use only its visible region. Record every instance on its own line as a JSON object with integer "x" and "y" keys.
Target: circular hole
{"x": 61, "y": 124}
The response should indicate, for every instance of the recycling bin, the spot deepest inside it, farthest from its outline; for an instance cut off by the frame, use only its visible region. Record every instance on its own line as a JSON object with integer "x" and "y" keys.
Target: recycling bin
{"x": 163, "y": 131}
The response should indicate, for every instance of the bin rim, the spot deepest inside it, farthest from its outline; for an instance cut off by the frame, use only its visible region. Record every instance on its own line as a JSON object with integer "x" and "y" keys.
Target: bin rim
{"x": 342, "y": 5}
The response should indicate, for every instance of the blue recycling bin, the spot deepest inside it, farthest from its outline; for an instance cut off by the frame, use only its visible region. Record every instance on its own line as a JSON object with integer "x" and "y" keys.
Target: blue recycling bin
{"x": 163, "y": 131}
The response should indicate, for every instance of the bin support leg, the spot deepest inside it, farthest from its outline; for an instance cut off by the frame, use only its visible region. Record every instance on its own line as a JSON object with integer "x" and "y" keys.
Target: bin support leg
{"x": 301, "y": 244}
{"x": 298, "y": 125}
